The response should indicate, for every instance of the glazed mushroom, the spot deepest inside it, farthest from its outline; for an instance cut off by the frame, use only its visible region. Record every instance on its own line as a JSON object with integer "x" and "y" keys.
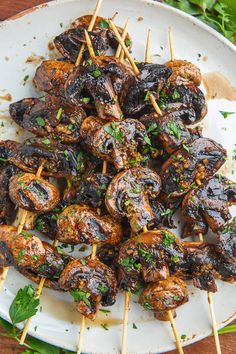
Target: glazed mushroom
{"x": 128, "y": 196}
{"x": 122, "y": 144}
{"x": 89, "y": 190}
{"x": 102, "y": 37}
{"x": 95, "y": 79}
{"x": 81, "y": 224}
{"x": 135, "y": 99}
{"x": 21, "y": 250}
{"x": 33, "y": 193}
{"x": 59, "y": 161}
{"x": 168, "y": 130}
{"x": 48, "y": 116}
{"x": 208, "y": 206}
{"x": 188, "y": 98}
{"x": 198, "y": 161}
{"x": 226, "y": 241}
{"x": 147, "y": 258}
{"x": 51, "y": 76}
{"x": 7, "y": 213}
{"x": 89, "y": 282}
{"x": 184, "y": 72}
{"x": 163, "y": 296}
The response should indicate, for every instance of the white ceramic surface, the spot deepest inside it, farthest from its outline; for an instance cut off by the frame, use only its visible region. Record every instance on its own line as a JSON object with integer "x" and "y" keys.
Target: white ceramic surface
{"x": 29, "y": 35}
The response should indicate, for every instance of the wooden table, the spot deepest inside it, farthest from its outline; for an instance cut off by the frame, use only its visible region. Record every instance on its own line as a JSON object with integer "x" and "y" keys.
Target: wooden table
{"x": 228, "y": 341}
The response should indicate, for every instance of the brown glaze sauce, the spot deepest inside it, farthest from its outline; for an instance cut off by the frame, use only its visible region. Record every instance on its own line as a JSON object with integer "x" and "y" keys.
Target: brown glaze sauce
{"x": 218, "y": 86}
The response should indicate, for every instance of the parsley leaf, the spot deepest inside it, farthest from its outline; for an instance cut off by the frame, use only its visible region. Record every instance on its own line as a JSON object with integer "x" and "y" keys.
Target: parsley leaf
{"x": 114, "y": 131}
{"x": 81, "y": 295}
{"x": 25, "y": 305}
{"x": 40, "y": 121}
{"x": 103, "y": 24}
{"x": 174, "y": 129}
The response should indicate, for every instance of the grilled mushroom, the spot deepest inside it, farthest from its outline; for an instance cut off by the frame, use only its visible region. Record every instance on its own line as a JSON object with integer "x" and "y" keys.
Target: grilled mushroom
{"x": 135, "y": 99}
{"x": 197, "y": 161}
{"x": 184, "y": 72}
{"x": 95, "y": 78}
{"x": 187, "y": 98}
{"x": 102, "y": 37}
{"x": 6, "y": 206}
{"x": 81, "y": 224}
{"x": 208, "y": 205}
{"x": 163, "y": 296}
{"x": 59, "y": 160}
{"x": 48, "y": 116}
{"x": 128, "y": 196}
{"x": 51, "y": 76}
{"x": 33, "y": 193}
{"x": 147, "y": 258}
{"x": 90, "y": 190}
{"x": 168, "y": 130}
{"x": 120, "y": 143}
{"x": 21, "y": 250}
{"x": 90, "y": 282}
{"x": 226, "y": 241}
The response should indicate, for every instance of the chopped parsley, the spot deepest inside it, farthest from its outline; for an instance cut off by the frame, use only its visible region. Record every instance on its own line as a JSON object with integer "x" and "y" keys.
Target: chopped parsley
{"x": 130, "y": 263}
{"x": 40, "y": 121}
{"x": 175, "y": 95}
{"x": 185, "y": 147}
{"x": 183, "y": 336}
{"x": 168, "y": 239}
{"x": 103, "y": 289}
{"x": 105, "y": 326}
{"x": 59, "y": 113}
{"x": 25, "y": 79}
{"x": 114, "y": 131}
{"x": 174, "y": 129}
{"x": 103, "y": 24}
{"x": 146, "y": 98}
{"x": 167, "y": 212}
{"x": 96, "y": 73}
{"x": 128, "y": 42}
{"x": 46, "y": 142}
{"x": 81, "y": 295}
{"x": 152, "y": 127}
{"x": 134, "y": 326}
{"x": 175, "y": 259}
{"x": 226, "y": 114}
{"x": 85, "y": 100}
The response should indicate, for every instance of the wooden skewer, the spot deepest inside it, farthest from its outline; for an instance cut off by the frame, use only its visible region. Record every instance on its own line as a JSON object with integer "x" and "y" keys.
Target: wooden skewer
{"x": 200, "y": 235}
{"x": 212, "y": 311}
{"x": 119, "y": 48}
{"x": 90, "y": 27}
{"x": 147, "y": 52}
{"x": 23, "y": 214}
{"x": 171, "y": 45}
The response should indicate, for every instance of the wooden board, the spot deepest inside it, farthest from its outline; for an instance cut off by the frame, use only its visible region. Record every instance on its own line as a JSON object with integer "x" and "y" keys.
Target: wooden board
{"x": 7, "y": 346}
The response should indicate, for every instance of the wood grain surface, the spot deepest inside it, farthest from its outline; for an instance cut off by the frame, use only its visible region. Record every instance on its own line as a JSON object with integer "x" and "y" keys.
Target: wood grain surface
{"x": 9, "y": 8}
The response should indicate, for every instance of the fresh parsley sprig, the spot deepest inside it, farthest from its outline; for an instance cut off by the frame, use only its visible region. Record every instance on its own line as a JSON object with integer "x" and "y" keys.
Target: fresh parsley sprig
{"x": 25, "y": 305}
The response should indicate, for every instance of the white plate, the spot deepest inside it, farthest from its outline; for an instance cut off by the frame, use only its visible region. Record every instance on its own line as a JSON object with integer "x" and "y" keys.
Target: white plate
{"x": 29, "y": 34}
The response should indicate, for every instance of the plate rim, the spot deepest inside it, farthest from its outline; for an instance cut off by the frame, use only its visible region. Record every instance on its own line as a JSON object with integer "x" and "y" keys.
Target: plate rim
{"x": 11, "y": 21}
